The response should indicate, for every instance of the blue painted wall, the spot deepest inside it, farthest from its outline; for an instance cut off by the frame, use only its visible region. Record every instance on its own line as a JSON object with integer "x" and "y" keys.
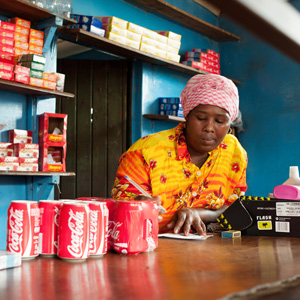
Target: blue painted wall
{"x": 270, "y": 104}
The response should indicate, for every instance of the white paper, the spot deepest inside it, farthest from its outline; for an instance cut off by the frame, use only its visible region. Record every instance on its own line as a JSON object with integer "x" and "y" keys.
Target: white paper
{"x": 181, "y": 236}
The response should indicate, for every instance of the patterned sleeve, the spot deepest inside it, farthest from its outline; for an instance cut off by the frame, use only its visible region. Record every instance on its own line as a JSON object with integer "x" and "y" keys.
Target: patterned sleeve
{"x": 132, "y": 164}
{"x": 239, "y": 189}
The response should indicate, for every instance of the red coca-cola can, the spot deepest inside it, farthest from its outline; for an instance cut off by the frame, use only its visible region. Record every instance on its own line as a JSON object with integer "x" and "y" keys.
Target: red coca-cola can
{"x": 23, "y": 227}
{"x": 89, "y": 198}
{"x": 134, "y": 226}
{"x": 98, "y": 228}
{"x": 73, "y": 231}
{"x": 110, "y": 203}
{"x": 49, "y": 211}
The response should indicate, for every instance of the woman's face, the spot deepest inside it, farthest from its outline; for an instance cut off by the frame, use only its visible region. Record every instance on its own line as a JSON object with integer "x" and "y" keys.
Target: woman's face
{"x": 206, "y": 127}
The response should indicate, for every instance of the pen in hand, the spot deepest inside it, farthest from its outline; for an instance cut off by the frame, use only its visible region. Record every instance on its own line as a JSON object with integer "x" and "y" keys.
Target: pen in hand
{"x": 160, "y": 207}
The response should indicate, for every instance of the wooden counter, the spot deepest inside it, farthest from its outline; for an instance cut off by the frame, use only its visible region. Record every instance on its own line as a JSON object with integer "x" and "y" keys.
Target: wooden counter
{"x": 178, "y": 269}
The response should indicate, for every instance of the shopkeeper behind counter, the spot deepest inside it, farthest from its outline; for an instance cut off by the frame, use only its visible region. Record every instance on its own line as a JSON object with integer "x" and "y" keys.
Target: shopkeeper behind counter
{"x": 197, "y": 169}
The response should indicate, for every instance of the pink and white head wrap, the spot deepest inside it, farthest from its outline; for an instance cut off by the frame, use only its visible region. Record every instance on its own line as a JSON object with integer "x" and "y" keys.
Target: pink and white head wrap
{"x": 210, "y": 89}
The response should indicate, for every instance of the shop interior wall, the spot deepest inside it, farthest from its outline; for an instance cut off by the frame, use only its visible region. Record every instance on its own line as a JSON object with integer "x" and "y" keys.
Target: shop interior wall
{"x": 270, "y": 104}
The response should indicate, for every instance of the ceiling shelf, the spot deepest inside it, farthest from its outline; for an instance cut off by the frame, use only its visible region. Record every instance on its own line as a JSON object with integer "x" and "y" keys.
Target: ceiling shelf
{"x": 31, "y": 90}
{"x": 28, "y": 173}
{"x": 28, "y": 11}
{"x": 164, "y": 118}
{"x": 175, "y": 14}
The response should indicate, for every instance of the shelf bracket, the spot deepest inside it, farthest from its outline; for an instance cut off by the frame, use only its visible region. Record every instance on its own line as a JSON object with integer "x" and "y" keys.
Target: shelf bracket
{"x": 41, "y": 188}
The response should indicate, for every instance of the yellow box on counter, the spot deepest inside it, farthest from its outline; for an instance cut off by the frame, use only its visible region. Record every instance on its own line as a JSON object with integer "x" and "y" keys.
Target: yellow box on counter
{"x": 135, "y": 28}
{"x": 150, "y": 34}
{"x": 170, "y": 35}
{"x": 174, "y": 44}
{"x": 115, "y": 29}
{"x": 173, "y": 57}
{"x": 115, "y": 37}
{"x": 133, "y": 36}
{"x": 132, "y": 44}
{"x": 113, "y": 21}
{"x": 172, "y": 50}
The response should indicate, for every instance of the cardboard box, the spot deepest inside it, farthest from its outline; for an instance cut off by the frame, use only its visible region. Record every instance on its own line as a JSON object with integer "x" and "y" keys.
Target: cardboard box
{"x": 171, "y": 35}
{"x": 21, "y": 37}
{"x": 7, "y": 26}
{"x": 7, "y": 49}
{"x": 22, "y": 29}
{"x": 52, "y": 159}
{"x": 115, "y": 29}
{"x": 7, "y": 58}
{"x": 19, "y": 21}
{"x": 6, "y": 149}
{"x": 49, "y": 84}
{"x": 22, "y": 78}
{"x": 114, "y": 21}
{"x": 26, "y": 150}
{"x": 263, "y": 216}
{"x": 32, "y": 58}
{"x": 49, "y": 76}
{"x": 135, "y": 28}
{"x": 22, "y": 70}
{"x": 19, "y": 136}
{"x": 53, "y": 129}
{"x": 7, "y": 41}
{"x": 36, "y": 82}
{"x": 6, "y": 67}
{"x": 9, "y": 163}
{"x": 32, "y": 65}
{"x": 28, "y": 164}
{"x": 36, "y": 33}
{"x": 36, "y": 41}
{"x": 7, "y": 33}
{"x": 7, "y": 75}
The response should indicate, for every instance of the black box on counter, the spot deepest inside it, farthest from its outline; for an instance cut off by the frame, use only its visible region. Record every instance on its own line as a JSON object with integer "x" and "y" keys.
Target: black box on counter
{"x": 263, "y": 216}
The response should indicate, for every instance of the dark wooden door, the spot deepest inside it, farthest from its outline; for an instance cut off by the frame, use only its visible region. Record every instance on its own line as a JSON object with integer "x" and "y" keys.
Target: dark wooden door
{"x": 97, "y": 125}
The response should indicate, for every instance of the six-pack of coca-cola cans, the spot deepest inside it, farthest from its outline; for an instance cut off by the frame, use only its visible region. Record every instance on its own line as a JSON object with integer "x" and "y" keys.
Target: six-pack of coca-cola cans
{"x": 77, "y": 229}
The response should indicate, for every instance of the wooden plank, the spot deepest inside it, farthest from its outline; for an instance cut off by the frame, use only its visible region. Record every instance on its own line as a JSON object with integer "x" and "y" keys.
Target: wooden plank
{"x": 175, "y": 14}
{"x": 39, "y": 173}
{"x": 84, "y": 104}
{"x": 116, "y": 120}
{"x": 69, "y": 68}
{"x": 270, "y": 27}
{"x": 209, "y": 6}
{"x": 100, "y": 132}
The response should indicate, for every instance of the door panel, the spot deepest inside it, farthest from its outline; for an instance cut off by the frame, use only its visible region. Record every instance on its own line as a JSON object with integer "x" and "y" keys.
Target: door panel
{"x": 97, "y": 125}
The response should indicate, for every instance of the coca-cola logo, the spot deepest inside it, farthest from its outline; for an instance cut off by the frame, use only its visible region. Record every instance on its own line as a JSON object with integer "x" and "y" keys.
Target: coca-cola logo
{"x": 93, "y": 230}
{"x": 75, "y": 224}
{"x": 15, "y": 222}
{"x": 113, "y": 231}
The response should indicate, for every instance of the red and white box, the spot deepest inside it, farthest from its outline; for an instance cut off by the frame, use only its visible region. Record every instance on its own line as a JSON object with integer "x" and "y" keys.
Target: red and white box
{"x": 7, "y": 33}
{"x": 50, "y": 211}
{"x": 26, "y": 150}
{"x": 7, "y": 41}
{"x": 73, "y": 231}
{"x": 7, "y": 58}
{"x": 134, "y": 226}
{"x": 98, "y": 228}
{"x": 22, "y": 70}
{"x": 19, "y": 136}
{"x": 52, "y": 159}
{"x": 7, "y": 26}
{"x": 6, "y": 75}
{"x": 9, "y": 163}
{"x": 6, "y": 149}
{"x": 23, "y": 227}
{"x": 19, "y": 77}
{"x": 28, "y": 164}
{"x": 6, "y": 67}
{"x": 53, "y": 129}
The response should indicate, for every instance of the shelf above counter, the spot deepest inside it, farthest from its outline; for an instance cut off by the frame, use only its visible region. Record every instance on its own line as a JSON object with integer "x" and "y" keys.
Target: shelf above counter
{"x": 26, "y": 10}
{"x": 28, "y": 173}
{"x": 88, "y": 39}
{"x": 31, "y": 90}
{"x": 175, "y": 14}
{"x": 164, "y": 118}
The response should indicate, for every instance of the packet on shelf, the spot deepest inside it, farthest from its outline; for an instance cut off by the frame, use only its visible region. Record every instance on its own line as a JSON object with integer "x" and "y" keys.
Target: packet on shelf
{"x": 115, "y": 29}
{"x": 28, "y": 164}
{"x": 9, "y": 163}
{"x": 114, "y": 21}
{"x": 135, "y": 28}
{"x": 26, "y": 150}
{"x": 6, "y": 149}
{"x": 19, "y": 136}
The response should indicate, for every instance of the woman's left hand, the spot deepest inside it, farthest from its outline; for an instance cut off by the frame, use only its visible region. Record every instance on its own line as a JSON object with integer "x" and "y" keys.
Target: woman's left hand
{"x": 185, "y": 218}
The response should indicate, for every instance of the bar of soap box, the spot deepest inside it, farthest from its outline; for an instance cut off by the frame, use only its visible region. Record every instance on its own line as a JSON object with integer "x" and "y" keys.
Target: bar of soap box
{"x": 231, "y": 234}
{"x": 9, "y": 260}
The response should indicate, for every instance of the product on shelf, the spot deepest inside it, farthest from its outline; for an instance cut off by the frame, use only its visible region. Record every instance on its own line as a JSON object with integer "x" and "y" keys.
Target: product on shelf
{"x": 36, "y": 33}
{"x": 170, "y": 106}
{"x": 20, "y": 22}
{"x": 32, "y": 58}
{"x": 6, "y": 149}
{"x": 19, "y": 136}
{"x": 203, "y": 59}
{"x": 52, "y": 158}
{"x": 60, "y": 82}
{"x": 88, "y": 23}
{"x": 28, "y": 164}
{"x": 171, "y": 35}
{"x": 9, "y": 163}
{"x": 9, "y": 260}
{"x": 26, "y": 150}
{"x": 114, "y": 21}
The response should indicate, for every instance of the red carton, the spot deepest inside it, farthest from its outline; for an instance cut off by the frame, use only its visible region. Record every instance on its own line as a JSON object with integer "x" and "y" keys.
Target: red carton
{"x": 6, "y": 67}
{"x": 53, "y": 129}
{"x": 7, "y": 33}
{"x": 22, "y": 70}
{"x": 7, "y": 49}
{"x": 7, "y": 26}
{"x": 7, "y": 75}
{"x": 52, "y": 159}
{"x": 22, "y": 78}
{"x": 28, "y": 164}
{"x": 26, "y": 150}
{"x": 16, "y": 136}
{"x": 6, "y": 149}
{"x": 36, "y": 33}
{"x": 7, "y": 58}
{"x": 21, "y": 22}
{"x": 7, "y": 41}
{"x": 9, "y": 163}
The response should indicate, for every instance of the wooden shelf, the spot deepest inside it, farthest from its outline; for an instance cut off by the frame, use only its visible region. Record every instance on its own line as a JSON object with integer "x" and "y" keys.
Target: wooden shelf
{"x": 31, "y": 90}
{"x": 28, "y": 173}
{"x": 175, "y": 14}
{"x": 164, "y": 118}
{"x": 28, "y": 11}
{"x": 92, "y": 40}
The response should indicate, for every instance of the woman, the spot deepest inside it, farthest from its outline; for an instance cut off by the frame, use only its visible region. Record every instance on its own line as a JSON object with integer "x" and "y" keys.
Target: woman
{"x": 196, "y": 170}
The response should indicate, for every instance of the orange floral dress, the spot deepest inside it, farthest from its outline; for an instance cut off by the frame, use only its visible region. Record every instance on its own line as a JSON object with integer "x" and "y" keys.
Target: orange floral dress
{"x": 161, "y": 164}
